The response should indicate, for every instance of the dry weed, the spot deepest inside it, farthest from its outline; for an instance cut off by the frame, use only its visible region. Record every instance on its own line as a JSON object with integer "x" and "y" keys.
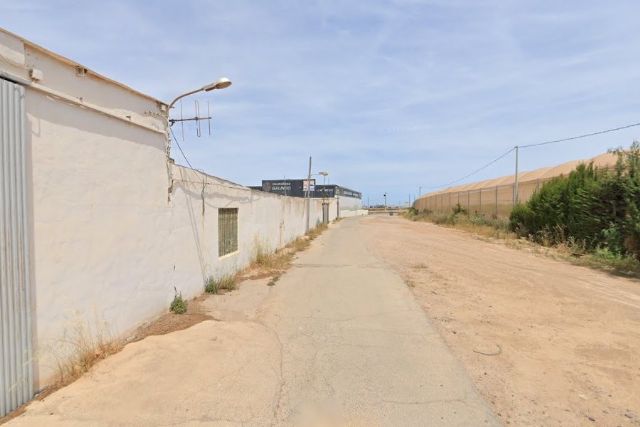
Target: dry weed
{"x": 83, "y": 350}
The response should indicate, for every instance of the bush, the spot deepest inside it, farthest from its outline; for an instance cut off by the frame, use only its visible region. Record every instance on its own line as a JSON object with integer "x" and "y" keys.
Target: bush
{"x": 178, "y": 305}
{"x": 458, "y": 209}
{"x": 521, "y": 219}
{"x": 214, "y": 286}
{"x": 211, "y": 286}
{"x": 598, "y": 208}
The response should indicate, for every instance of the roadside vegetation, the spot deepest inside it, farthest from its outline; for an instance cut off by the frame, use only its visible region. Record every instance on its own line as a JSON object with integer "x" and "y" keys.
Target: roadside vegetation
{"x": 224, "y": 283}
{"x": 591, "y": 216}
{"x": 273, "y": 264}
{"x": 178, "y": 305}
{"x": 459, "y": 218}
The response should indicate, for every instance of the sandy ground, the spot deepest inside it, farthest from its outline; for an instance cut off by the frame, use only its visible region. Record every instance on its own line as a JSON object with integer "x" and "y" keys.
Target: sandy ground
{"x": 546, "y": 343}
{"x": 339, "y": 341}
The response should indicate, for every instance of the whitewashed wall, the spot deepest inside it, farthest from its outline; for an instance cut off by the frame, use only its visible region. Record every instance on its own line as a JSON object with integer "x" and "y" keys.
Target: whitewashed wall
{"x": 267, "y": 221}
{"x": 350, "y": 206}
{"x": 110, "y": 241}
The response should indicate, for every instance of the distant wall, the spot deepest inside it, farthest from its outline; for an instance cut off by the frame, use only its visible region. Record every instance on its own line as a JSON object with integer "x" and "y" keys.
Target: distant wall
{"x": 496, "y": 197}
{"x": 494, "y": 201}
{"x": 350, "y": 206}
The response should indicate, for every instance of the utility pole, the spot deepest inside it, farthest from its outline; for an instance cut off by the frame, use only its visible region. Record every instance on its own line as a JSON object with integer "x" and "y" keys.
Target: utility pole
{"x": 308, "y": 195}
{"x": 385, "y": 201}
{"x": 515, "y": 182}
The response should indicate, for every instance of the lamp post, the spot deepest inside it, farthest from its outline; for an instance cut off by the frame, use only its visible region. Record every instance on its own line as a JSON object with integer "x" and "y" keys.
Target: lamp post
{"x": 221, "y": 83}
{"x": 325, "y": 205}
{"x": 324, "y": 182}
{"x": 308, "y": 195}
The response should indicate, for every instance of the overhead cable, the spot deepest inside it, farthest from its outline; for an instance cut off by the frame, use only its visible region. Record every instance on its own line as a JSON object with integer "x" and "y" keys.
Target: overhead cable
{"x": 586, "y": 135}
{"x": 537, "y": 144}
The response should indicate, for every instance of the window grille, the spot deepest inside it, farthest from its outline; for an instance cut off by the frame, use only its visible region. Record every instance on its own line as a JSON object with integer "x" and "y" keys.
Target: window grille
{"x": 227, "y": 231}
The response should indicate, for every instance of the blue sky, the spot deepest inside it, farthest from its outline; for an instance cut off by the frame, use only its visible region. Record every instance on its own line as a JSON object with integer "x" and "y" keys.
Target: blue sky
{"x": 385, "y": 95}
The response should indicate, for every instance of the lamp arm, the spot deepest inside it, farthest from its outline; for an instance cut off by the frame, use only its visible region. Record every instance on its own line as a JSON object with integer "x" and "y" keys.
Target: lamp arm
{"x": 182, "y": 96}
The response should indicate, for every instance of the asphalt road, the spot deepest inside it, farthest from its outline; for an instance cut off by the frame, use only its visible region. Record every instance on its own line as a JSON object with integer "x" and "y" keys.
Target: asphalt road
{"x": 340, "y": 340}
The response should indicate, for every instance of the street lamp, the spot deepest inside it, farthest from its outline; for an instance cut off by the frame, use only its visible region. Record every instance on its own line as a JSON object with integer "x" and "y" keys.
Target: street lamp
{"x": 324, "y": 181}
{"x": 221, "y": 83}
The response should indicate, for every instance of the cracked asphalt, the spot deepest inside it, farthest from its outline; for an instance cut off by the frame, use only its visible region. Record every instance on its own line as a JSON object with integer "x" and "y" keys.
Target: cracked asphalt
{"x": 340, "y": 340}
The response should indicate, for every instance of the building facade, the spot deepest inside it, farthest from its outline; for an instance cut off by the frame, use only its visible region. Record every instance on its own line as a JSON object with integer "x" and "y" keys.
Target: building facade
{"x": 99, "y": 226}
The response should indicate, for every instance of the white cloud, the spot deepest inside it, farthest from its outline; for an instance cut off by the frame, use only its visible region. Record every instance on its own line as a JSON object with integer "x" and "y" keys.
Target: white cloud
{"x": 383, "y": 93}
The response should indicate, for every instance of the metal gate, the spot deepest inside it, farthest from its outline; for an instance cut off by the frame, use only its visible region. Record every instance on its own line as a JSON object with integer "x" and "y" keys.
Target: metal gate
{"x": 16, "y": 369}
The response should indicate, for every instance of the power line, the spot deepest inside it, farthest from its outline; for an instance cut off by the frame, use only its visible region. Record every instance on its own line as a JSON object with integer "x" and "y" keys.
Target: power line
{"x": 586, "y": 135}
{"x": 537, "y": 144}
{"x": 475, "y": 171}
{"x": 180, "y": 148}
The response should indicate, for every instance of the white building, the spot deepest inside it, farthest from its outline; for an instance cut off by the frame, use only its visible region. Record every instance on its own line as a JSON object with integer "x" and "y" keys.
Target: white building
{"x": 97, "y": 225}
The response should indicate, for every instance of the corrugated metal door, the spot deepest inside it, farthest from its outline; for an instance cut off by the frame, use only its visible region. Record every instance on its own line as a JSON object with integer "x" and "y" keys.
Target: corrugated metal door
{"x": 16, "y": 371}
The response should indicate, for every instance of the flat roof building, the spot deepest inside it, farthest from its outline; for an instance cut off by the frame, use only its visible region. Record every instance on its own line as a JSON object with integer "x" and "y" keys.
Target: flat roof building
{"x": 298, "y": 188}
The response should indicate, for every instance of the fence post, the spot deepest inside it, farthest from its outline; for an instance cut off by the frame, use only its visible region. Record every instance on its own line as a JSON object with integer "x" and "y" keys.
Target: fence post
{"x": 468, "y": 200}
{"x": 496, "y": 201}
{"x": 480, "y": 198}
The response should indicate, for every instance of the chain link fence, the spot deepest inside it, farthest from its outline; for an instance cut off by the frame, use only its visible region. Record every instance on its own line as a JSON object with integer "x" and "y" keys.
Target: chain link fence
{"x": 495, "y": 202}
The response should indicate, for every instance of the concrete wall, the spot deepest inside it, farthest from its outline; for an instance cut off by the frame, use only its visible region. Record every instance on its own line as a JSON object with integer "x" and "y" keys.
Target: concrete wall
{"x": 110, "y": 241}
{"x": 350, "y": 206}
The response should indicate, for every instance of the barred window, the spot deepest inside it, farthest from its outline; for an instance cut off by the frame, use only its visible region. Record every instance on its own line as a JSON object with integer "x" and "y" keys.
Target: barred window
{"x": 227, "y": 230}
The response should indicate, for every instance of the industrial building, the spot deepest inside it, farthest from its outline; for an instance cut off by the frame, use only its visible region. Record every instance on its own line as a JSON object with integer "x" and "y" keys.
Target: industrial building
{"x": 100, "y": 228}
{"x": 349, "y": 202}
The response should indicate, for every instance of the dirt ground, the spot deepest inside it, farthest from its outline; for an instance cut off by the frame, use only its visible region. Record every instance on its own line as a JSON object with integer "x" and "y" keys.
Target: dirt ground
{"x": 546, "y": 342}
{"x": 339, "y": 340}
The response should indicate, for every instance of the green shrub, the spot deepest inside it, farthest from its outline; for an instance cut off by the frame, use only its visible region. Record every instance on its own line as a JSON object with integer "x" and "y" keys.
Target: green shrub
{"x": 178, "y": 305}
{"x": 459, "y": 210}
{"x": 598, "y": 208}
{"x": 211, "y": 286}
{"x": 214, "y": 286}
{"x": 619, "y": 263}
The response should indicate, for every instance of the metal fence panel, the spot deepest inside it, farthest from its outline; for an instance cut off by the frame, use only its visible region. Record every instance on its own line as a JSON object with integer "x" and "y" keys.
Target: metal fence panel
{"x": 227, "y": 230}
{"x": 16, "y": 364}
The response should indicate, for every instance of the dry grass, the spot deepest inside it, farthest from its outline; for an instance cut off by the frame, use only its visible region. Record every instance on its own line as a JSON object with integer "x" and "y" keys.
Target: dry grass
{"x": 274, "y": 264}
{"x": 476, "y": 224}
{"x": 170, "y": 322}
{"x": 228, "y": 283}
{"x": 315, "y": 232}
{"x": 223, "y": 284}
{"x": 86, "y": 351}
{"x": 568, "y": 251}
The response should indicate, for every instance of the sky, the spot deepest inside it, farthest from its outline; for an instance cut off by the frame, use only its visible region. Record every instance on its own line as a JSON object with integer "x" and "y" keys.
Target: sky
{"x": 387, "y": 96}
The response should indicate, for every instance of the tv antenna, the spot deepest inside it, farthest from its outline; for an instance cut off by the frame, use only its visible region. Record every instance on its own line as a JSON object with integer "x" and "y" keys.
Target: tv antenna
{"x": 197, "y": 118}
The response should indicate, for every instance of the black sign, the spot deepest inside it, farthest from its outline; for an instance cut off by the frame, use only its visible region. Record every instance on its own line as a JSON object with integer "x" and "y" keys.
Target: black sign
{"x": 298, "y": 188}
